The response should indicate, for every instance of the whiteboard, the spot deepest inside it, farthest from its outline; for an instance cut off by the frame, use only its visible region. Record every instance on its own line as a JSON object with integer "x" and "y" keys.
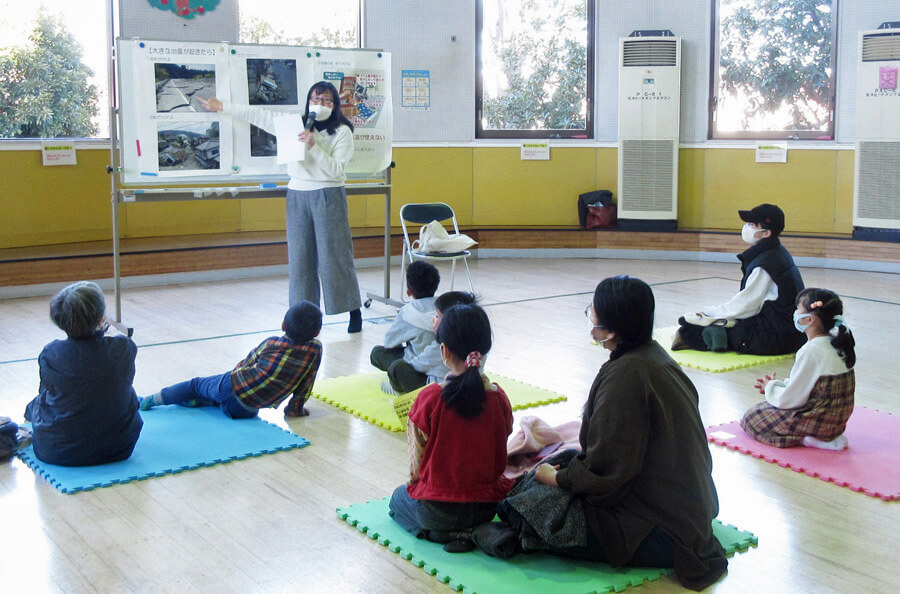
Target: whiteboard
{"x": 166, "y": 137}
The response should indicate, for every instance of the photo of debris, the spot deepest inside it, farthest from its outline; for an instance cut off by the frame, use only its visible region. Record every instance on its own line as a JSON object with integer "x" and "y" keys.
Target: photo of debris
{"x": 262, "y": 144}
{"x": 185, "y": 146}
{"x": 272, "y": 82}
{"x": 179, "y": 85}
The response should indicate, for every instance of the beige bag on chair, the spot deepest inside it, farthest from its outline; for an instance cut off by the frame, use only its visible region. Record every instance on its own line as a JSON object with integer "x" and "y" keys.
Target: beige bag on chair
{"x": 434, "y": 239}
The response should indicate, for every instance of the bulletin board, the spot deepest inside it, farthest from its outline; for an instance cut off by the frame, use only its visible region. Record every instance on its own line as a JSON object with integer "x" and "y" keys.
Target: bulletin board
{"x": 167, "y": 137}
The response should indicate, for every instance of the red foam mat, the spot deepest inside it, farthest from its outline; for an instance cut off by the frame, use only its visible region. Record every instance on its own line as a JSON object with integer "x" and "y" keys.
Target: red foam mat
{"x": 871, "y": 464}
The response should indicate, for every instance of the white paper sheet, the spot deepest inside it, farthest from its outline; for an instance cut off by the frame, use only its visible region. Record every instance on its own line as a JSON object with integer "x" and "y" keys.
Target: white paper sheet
{"x": 287, "y": 129}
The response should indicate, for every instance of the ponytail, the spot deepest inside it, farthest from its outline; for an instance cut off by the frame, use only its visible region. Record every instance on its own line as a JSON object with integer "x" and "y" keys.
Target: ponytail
{"x": 827, "y": 306}
{"x": 466, "y": 332}
{"x": 844, "y": 342}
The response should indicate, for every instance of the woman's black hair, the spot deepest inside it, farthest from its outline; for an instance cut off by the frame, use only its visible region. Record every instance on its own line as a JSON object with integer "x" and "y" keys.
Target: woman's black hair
{"x": 445, "y": 301}
{"x": 625, "y": 305}
{"x": 336, "y": 118}
{"x": 465, "y": 329}
{"x": 826, "y": 305}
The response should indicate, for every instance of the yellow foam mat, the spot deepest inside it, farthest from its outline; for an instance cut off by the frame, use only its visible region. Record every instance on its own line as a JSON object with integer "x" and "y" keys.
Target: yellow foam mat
{"x": 361, "y": 395}
{"x": 710, "y": 361}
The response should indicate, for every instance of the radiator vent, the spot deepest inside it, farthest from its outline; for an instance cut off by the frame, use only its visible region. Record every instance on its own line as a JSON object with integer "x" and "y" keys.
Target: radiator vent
{"x": 881, "y": 47}
{"x": 878, "y": 181}
{"x": 647, "y": 175}
{"x": 650, "y": 53}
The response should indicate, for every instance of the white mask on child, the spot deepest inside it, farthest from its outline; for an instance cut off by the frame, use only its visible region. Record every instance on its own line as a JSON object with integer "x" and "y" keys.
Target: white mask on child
{"x": 799, "y": 316}
{"x": 748, "y": 233}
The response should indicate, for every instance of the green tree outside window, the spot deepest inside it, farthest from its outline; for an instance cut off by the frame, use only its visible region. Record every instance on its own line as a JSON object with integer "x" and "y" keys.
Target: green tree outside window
{"x": 775, "y": 68}
{"x": 45, "y": 90}
{"x": 534, "y": 68}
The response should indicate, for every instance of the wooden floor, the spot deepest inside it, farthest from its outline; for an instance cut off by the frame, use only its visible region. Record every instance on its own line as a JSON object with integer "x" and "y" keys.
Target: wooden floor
{"x": 268, "y": 524}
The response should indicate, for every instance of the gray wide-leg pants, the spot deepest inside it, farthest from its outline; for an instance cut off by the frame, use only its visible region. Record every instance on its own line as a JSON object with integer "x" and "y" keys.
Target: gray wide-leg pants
{"x": 320, "y": 246}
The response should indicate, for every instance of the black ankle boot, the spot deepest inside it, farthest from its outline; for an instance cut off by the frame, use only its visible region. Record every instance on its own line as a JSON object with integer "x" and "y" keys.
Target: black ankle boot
{"x": 454, "y": 541}
{"x": 355, "y": 322}
{"x": 497, "y": 539}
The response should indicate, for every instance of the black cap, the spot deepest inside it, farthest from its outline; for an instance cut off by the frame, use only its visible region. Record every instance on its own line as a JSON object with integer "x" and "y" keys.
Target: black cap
{"x": 767, "y": 216}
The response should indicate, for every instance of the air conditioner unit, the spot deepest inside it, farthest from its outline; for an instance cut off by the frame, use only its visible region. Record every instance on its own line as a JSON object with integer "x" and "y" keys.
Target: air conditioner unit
{"x": 649, "y": 114}
{"x": 876, "y": 184}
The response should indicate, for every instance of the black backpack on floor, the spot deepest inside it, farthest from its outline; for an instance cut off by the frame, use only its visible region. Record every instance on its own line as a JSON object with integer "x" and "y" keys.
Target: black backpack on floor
{"x": 9, "y": 440}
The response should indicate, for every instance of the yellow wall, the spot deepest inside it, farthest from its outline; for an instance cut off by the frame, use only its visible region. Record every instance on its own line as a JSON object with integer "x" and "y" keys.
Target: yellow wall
{"x": 487, "y": 186}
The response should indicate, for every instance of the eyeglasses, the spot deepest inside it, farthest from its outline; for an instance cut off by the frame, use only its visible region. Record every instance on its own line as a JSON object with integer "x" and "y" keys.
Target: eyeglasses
{"x": 591, "y": 324}
{"x": 320, "y": 100}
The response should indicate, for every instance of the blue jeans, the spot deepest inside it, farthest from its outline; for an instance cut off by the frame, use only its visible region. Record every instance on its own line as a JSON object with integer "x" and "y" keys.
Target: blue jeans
{"x": 418, "y": 516}
{"x": 214, "y": 390}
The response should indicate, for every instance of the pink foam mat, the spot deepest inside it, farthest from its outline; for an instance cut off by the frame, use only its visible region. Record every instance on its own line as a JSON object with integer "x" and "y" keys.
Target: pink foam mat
{"x": 871, "y": 464}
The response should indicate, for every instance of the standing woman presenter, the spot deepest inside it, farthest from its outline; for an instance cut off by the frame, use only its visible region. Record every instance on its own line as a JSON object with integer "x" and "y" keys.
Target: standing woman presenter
{"x": 318, "y": 231}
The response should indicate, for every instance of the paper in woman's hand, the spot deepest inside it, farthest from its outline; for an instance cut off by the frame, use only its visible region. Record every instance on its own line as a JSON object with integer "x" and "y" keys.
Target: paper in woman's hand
{"x": 287, "y": 131}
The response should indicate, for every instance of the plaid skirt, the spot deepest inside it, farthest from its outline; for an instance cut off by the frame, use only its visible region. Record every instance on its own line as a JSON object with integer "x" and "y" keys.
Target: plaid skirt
{"x": 824, "y": 416}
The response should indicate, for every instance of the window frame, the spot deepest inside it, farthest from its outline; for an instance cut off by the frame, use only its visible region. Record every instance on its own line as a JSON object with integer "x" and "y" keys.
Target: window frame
{"x": 582, "y": 133}
{"x": 713, "y": 133}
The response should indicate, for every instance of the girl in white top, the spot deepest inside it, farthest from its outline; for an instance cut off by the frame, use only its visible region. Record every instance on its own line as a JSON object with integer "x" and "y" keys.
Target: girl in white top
{"x": 320, "y": 247}
{"x": 812, "y": 406}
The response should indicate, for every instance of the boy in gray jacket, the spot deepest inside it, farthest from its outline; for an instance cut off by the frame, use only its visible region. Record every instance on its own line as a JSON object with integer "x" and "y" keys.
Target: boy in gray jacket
{"x": 408, "y": 355}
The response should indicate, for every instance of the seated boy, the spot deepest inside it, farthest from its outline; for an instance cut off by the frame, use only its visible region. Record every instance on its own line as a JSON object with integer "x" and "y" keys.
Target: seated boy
{"x": 278, "y": 367}
{"x": 409, "y": 363}
{"x": 759, "y": 319}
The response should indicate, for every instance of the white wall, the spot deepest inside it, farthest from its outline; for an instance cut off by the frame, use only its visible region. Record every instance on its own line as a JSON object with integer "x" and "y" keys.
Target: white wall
{"x": 420, "y": 36}
{"x": 418, "y": 33}
{"x": 138, "y": 18}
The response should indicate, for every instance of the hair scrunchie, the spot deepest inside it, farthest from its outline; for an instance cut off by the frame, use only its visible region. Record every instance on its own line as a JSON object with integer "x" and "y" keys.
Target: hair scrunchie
{"x": 474, "y": 359}
{"x": 839, "y": 320}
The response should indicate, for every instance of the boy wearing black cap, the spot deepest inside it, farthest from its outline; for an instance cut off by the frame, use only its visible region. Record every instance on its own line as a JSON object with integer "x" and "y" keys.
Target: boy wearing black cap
{"x": 759, "y": 319}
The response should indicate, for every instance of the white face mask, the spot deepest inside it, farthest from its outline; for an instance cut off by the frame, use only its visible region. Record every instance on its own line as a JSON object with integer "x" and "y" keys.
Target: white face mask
{"x": 323, "y": 112}
{"x": 748, "y": 233}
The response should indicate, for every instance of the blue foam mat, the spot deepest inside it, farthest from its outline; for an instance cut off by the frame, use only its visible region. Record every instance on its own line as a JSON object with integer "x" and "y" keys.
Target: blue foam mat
{"x": 174, "y": 439}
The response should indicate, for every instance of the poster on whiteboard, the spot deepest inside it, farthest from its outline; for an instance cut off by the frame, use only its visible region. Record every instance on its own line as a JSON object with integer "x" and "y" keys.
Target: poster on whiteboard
{"x": 167, "y": 136}
{"x": 364, "y": 85}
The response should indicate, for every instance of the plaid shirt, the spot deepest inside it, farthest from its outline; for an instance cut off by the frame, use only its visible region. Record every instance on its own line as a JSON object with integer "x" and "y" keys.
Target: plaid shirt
{"x": 824, "y": 416}
{"x": 274, "y": 369}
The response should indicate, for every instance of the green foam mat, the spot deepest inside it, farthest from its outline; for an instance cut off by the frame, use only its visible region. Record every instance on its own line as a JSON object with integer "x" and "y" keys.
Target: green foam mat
{"x": 535, "y": 573}
{"x": 361, "y": 395}
{"x": 710, "y": 361}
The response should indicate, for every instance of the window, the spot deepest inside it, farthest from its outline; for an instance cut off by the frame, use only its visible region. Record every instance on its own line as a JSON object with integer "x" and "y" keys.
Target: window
{"x": 334, "y": 23}
{"x": 773, "y": 69}
{"x": 535, "y": 68}
{"x": 53, "y": 69}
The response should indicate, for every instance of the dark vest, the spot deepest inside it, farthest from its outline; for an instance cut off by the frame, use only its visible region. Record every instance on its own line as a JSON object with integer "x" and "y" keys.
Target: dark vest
{"x": 772, "y": 257}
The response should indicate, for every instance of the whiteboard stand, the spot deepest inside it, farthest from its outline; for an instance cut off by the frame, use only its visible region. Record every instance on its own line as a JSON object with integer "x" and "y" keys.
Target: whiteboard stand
{"x": 125, "y": 187}
{"x": 170, "y": 194}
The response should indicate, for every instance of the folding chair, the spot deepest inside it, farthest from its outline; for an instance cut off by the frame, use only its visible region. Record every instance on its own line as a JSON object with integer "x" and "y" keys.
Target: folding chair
{"x": 420, "y": 214}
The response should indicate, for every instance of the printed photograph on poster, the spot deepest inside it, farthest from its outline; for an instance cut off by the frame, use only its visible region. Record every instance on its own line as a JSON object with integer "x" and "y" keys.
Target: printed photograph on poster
{"x": 362, "y": 95}
{"x": 179, "y": 85}
{"x": 185, "y": 146}
{"x": 272, "y": 82}
{"x": 262, "y": 144}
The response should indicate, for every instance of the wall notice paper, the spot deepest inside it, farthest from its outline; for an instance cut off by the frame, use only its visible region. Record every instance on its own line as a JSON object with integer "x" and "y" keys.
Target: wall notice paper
{"x": 416, "y": 89}
{"x": 55, "y": 153}
{"x": 287, "y": 129}
{"x": 535, "y": 151}
{"x": 771, "y": 152}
